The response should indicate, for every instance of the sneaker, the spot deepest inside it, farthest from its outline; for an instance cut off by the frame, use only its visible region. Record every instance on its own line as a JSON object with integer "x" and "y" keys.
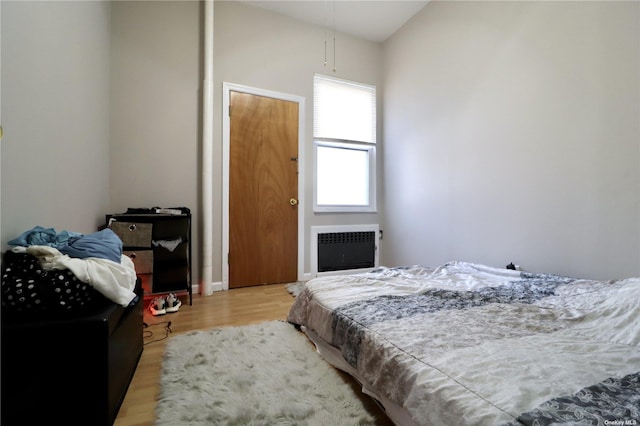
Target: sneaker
{"x": 173, "y": 303}
{"x": 158, "y": 306}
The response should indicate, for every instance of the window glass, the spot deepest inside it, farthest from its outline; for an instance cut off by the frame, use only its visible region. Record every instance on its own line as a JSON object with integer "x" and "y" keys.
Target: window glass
{"x": 342, "y": 176}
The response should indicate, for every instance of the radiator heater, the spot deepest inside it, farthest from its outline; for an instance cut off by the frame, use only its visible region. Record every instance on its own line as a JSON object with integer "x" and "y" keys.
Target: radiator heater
{"x": 346, "y": 248}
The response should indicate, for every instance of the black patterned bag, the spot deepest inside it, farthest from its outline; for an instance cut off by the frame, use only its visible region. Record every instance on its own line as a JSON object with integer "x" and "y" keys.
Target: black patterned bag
{"x": 30, "y": 292}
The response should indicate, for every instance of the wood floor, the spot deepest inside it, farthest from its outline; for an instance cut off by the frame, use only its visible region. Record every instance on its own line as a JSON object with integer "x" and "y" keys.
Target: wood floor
{"x": 239, "y": 306}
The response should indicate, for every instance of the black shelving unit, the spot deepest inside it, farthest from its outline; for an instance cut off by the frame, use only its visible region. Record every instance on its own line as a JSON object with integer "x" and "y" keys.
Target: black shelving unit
{"x": 160, "y": 246}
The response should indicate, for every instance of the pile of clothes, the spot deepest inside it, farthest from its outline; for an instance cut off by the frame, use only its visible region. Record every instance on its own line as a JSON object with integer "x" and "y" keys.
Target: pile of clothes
{"x": 48, "y": 270}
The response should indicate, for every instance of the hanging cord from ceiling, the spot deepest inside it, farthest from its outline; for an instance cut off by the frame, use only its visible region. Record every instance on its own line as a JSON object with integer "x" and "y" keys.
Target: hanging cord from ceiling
{"x": 325, "y": 32}
{"x": 334, "y": 36}
{"x": 333, "y": 30}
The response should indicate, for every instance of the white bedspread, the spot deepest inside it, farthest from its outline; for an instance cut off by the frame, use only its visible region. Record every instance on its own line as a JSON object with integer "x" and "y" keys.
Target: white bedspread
{"x": 116, "y": 281}
{"x": 471, "y": 344}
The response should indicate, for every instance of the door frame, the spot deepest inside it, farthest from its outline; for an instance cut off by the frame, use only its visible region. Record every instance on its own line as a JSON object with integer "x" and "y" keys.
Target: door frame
{"x": 227, "y": 88}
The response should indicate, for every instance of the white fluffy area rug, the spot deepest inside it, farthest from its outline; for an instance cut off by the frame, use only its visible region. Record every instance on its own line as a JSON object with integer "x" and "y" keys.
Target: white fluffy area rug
{"x": 263, "y": 374}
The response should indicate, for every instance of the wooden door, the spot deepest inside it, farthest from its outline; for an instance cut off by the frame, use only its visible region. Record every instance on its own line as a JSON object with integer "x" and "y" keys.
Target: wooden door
{"x": 263, "y": 190}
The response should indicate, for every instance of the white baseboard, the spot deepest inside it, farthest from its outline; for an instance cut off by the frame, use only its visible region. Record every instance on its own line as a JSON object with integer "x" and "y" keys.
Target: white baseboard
{"x": 215, "y": 287}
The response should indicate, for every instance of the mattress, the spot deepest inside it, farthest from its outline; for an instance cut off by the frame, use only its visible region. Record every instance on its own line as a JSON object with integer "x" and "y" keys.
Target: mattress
{"x": 470, "y": 344}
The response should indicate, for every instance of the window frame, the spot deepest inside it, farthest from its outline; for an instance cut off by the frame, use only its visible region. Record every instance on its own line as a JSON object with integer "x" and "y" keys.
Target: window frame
{"x": 371, "y": 207}
{"x": 369, "y": 147}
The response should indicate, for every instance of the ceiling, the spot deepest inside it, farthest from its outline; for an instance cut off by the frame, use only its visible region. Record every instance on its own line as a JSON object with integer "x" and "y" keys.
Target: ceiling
{"x": 370, "y": 20}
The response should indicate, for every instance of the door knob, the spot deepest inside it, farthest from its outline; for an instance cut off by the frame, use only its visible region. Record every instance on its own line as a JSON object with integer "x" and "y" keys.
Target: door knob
{"x": 293, "y": 202}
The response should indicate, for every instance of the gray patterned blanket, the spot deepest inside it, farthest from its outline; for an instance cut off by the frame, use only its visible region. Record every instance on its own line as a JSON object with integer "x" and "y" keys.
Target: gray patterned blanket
{"x": 471, "y": 344}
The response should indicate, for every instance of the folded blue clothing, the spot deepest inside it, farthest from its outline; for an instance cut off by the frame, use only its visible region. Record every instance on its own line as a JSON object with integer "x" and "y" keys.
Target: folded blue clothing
{"x": 40, "y": 236}
{"x": 104, "y": 244}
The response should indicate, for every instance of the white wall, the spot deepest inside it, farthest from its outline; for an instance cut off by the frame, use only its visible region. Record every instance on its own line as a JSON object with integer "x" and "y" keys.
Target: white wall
{"x": 155, "y": 108}
{"x": 55, "y": 109}
{"x": 261, "y": 49}
{"x": 512, "y": 134}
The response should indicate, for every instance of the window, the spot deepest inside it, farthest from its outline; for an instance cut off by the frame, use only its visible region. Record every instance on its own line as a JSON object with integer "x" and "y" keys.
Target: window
{"x": 344, "y": 133}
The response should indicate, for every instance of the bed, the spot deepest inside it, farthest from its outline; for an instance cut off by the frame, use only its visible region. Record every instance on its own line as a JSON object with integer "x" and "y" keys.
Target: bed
{"x": 470, "y": 344}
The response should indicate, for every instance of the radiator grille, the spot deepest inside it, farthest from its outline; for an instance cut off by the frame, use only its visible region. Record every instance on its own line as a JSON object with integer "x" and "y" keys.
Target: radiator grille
{"x": 339, "y": 251}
